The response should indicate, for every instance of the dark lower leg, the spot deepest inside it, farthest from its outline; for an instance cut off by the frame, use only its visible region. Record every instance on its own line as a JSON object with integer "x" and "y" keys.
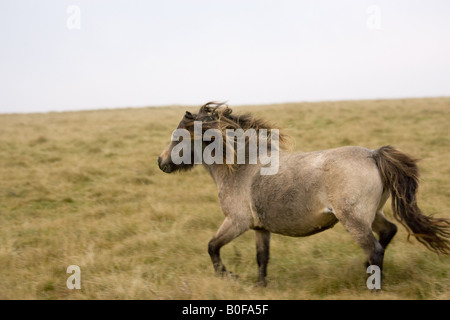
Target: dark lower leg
{"x": 262, "y": 254}
{"x": 387, "y": 235}
{"x": 214, "y": 253}
{"x": 376, "y": 256}
{"x": 227, "y": 232}
{"x": 385, "y": 229}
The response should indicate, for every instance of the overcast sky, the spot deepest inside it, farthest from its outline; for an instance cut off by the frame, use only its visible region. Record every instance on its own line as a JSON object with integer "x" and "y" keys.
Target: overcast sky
{"x": 71, "y": 55}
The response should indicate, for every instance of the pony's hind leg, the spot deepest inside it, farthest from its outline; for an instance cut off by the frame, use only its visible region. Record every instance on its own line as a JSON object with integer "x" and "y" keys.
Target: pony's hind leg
{"x": 385, "y": 229}
{"x": 228, "y": 231}
{"x": 359, "y": 227}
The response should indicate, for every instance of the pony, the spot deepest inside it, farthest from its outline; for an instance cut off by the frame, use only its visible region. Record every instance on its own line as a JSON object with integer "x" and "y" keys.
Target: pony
{"x": 309, "y": 193}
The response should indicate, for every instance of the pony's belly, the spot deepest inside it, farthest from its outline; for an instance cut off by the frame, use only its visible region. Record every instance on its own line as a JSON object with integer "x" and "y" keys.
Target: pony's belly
{"x": 300, "y": 226}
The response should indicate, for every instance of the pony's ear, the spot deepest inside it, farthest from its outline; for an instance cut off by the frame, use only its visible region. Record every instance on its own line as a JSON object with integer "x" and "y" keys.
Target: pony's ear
{"x": 211, "y": 108}
{"x": 189, "y": 115}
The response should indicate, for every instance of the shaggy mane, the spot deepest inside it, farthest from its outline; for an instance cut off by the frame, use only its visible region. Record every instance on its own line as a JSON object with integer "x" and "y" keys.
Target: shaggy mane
{"x": 217, "y": 115}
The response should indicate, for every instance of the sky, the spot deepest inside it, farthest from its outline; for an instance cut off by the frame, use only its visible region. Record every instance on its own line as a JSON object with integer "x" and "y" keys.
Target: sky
{"x": 58, "y": 55}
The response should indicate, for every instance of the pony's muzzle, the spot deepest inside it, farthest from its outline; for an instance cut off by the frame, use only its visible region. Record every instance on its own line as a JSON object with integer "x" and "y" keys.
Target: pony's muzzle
{"x": 167, "y": 168}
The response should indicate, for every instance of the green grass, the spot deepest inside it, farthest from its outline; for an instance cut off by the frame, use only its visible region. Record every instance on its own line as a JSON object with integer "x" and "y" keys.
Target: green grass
{"x": 84, "y": 188}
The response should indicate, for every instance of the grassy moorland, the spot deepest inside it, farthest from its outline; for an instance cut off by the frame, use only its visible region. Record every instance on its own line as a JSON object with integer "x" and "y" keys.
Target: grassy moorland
{"x": 83, "y": 188}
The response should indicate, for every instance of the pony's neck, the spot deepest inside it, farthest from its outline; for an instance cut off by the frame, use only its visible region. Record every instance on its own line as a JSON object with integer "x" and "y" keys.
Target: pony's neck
{"x": 217, "y": 172}
{"x": 227, "y": 180}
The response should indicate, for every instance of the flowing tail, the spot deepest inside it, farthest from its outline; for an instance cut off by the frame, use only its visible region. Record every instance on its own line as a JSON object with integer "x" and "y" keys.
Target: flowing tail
{"x": 400, "y": 175}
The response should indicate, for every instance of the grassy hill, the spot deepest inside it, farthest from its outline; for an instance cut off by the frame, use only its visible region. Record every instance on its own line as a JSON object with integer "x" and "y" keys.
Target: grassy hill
{"x": 84, "y": 188}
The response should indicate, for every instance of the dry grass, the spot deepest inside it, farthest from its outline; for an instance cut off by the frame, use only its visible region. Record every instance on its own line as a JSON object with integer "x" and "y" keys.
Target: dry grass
{"x": 83, "y": 188}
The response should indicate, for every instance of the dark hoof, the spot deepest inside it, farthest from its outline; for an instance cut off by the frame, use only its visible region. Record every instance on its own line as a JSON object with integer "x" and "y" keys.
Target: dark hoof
{"x": 261, "y": 284}
{"x": 375, "y": 291}
{"x": 227, "y": 274}
{"x": 230, "y": 275}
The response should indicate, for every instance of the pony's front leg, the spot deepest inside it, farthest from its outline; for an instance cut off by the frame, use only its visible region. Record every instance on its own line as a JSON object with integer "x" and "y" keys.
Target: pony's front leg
{"x": 262, "y": 254}
{"x": 228, "y": 231}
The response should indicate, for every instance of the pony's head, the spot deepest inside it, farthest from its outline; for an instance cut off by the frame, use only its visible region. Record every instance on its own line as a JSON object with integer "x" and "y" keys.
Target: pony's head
{"x": 165, "y": 162}
{"x": 212, "y": 115}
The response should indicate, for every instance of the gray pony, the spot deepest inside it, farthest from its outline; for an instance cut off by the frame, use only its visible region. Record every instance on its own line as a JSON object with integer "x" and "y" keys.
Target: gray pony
{"x": 311, "y": 192}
